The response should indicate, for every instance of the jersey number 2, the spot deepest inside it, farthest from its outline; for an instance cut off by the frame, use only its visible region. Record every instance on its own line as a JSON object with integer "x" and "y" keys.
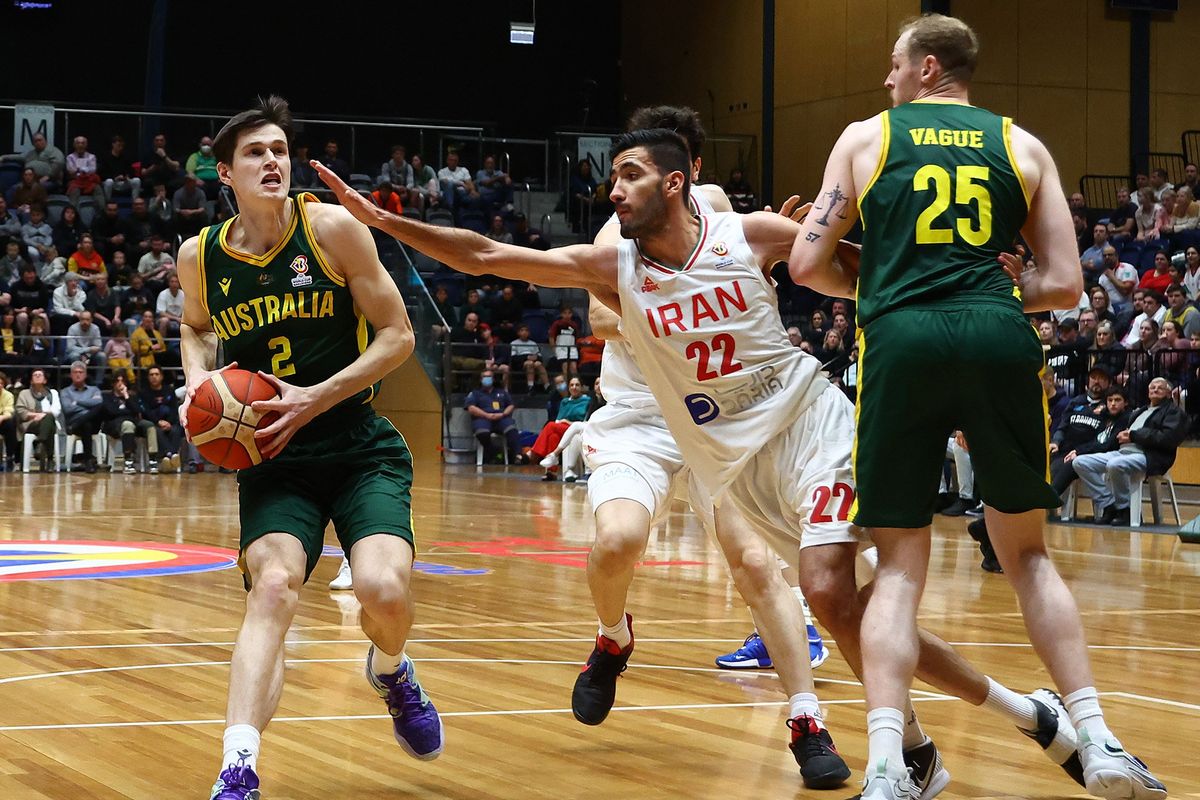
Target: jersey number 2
{"x": 966, "y": 191}
{"x": 281, "y": 365}
{"x": 822, "y": 496}
{"x": 703, "y": 353}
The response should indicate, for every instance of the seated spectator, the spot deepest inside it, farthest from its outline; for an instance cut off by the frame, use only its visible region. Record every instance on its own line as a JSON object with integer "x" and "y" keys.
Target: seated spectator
{"x": 424, "y": 191}
{"x": 562, "y": 334}
{"x": 581, "y": 192}
{"x": 1101, "y": 307}
{"x": 1083, "y": 233}
{"x": 1087, "y": 328}
{"x": 112, "y": 232}
{"x": 30, "y": 298}
{"x": 570, "y": 446}
{"x": 1160, "y": 278}
{"x": 39, "y": 412}
{"x": 457, "y": 188}
{"x": 507, "y": 311}
{"x": 1152, "y": 308}
{"x": 525, "y": 236}
{"x": 38, "y": 349}
{"x": 10, "y": 225}
{"x": 8, "y": 425}
{"x": 28, "y": 194}
{"x": 330, "y": 159}
{"x": 491, "y": 409}
{"x": 1171, "y": 364}
{"x": 740, "y": 192}
{"x": 82, "y": 407}
{"x": 1092, "y": 259}
{"x": 1185, "y": 212}
{"x": 397, "y": 171}
{"x": 67, "y": 302}
{"x": 386, "y": 198}
{"x": 497, "y": 232}
{"x": 118, "y": 353}
{"x": 10, "y": 343}
{"x": 119, "y": 271}
{"x": 303, "y": 175}
{"x": 526, "y": 354}
{"x": 793, "y": 334}
{"x": 202, "y": 165}
{"x": 1121, "y": 222}
{"x": 123, "y": 420}
{"x": 190, "y": 211}
{"x": 139, "y": 298}
{"x": 818, "y": 323}
{"x": 1179, "y": 311}
{"x": 117, "y": 173}
{"x": 1147, "y": 217}
{"x": 144, "y": 226}
{"x": 1091, "y": 429}
{"x": 1147, "y": 447}
{"x": 1106, "y": 351}
{"x": 38, "y": 236}
{"x": 572, "y": 408}
{"x": 157, "y": 265}
{"x": 495, "y": 187}
{"x": 169, "y": 307}
{"x": 82, "y": 175}
{"x": 67, "y": 232}
{"x": 1046, "y": 333}
{"x": 47, "y": 162}
{"x": 12, "y": 263}
{"x": 104, "y": 304}
{"x": 963, "y": 501}
{"x": 1160, "y": 184}
{"x": 473, "y": 304}
{"x": 1191, "y": 178}
{"x": 147, "y": 343}
{"x": 832, "y": 354}
{"x": 84, "y": 345}
{"x": 159, "y": 168}
{"x": 1191, "y": 271}
{"x": 466, "y": 344}
{"x": 160, "y": 406}
{"x": 86, "y": 262}
{"x": 495, "y": 355}
{"x": 1056, "y": 398}
{"x": 441, "y": 301}
{"x": 1118, "y": 280}
{"x": 53, "y": 270}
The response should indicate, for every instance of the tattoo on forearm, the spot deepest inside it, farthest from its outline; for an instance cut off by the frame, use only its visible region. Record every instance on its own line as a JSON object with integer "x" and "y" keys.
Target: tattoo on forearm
{"x": 837, "y": 204}
{"x": 811, "y": 236}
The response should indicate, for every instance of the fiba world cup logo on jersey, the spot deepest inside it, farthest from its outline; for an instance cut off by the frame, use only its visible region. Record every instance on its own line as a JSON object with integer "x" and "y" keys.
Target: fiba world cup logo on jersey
{"x": 299, "y": 265}
{"x": 719, "y": 249}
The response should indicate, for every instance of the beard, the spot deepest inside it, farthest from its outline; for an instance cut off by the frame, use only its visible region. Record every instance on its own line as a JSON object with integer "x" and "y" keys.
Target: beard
{"x": 647, "y": 220}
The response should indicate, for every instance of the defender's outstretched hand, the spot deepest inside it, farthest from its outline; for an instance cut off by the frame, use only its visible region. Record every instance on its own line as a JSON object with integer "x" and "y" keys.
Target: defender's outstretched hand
{"x": 359, "y": 207}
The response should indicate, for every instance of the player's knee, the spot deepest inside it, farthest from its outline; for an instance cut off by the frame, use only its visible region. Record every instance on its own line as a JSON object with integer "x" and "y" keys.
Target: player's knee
{"x": 617, "y": 544}
{"x": 383, "y": 596}
{"x": 274, "y": 591}
{"x": 834, "y": 601}
{"x": 756, "y": 574}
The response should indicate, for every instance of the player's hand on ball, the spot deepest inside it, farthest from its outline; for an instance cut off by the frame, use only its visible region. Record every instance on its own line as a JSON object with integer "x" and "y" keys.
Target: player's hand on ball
{"x": 296, "y": 406}
{"x": 359, "y": 207}
{"x": 195, "y": 379}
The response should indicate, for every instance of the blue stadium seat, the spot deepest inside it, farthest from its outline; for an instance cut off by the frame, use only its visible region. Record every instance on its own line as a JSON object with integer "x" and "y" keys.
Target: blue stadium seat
{"x": 10, "y": 175}
{"x": 538, "y": 322}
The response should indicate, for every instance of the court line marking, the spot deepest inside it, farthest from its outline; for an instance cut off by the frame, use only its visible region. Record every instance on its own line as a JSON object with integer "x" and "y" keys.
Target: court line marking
{"x": 1158, "y": 700}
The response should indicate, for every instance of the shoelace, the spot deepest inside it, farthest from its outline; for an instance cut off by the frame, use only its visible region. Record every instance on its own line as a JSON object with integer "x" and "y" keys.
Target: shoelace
{"x": 605, "y": 664}
{"x": 404, "y": 698}
{"x": 808, "y": 736}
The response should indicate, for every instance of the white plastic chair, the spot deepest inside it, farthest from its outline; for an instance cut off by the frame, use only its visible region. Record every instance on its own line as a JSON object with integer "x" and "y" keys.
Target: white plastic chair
{"x": 27, "y": 456}
{"x": 1071, "y": 503}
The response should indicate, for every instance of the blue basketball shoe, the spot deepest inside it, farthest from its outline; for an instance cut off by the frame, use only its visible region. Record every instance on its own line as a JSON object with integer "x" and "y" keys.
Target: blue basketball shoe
{"x": 753, "y": 653}
{"x": 415, "y": 722}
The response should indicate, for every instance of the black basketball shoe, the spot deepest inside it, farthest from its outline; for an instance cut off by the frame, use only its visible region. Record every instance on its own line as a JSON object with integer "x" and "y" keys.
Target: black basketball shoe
{"x": 596, "y": 687}
{"x": 821, "y": 766}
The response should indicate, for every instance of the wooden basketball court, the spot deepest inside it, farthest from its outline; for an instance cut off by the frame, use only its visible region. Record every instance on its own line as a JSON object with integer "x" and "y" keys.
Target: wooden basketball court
{"x": 115, "y": 687}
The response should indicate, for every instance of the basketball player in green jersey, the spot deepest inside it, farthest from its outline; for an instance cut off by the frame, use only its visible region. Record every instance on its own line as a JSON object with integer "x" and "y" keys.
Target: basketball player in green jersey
{"x": 943, "y": 188}
{"x": 294, "y": 289}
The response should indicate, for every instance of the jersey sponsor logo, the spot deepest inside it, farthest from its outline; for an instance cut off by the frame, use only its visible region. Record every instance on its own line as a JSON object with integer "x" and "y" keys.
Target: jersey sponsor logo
{"x": 702, "y": 408}
{"x": 269, "y": 309}
{"x": 299, "y": 265}
{"x": 225, "y": 283}
{"x": 673, "y": 315}
{"x": 649, "y": 285}
{"x": 66, "y": 560}
{"x": 719, "y": 249}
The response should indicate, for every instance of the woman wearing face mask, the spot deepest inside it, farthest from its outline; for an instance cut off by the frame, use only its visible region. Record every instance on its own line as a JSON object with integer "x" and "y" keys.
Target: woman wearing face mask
{"x": 570, "y": 447}
{"x": 202, "y": 165}
{"x": 572, "y": 408}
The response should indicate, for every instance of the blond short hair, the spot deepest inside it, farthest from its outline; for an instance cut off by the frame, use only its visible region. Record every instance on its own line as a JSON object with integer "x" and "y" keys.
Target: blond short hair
{"x": 951, "y": 41}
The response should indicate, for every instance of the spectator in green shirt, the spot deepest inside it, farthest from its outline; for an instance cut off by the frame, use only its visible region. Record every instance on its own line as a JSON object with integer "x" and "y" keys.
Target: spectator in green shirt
{"x": 202, "y": 165}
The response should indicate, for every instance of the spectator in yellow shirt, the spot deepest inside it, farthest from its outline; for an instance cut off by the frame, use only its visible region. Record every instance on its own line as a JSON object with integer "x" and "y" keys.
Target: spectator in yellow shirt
{"x": 148, "y": 344}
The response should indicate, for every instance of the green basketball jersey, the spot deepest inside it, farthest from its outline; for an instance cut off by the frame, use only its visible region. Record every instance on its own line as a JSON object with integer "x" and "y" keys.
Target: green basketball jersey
{"x": 285, "y": 312}
{"x": 946, "y": 198}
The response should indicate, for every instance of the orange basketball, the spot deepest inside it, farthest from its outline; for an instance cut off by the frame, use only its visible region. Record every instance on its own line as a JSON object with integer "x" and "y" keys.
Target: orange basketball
{"x": 221, "y": 422}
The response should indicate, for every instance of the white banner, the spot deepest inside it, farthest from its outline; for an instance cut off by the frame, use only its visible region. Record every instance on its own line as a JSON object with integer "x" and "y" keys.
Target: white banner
{"x": 595, "y": 149}
{"x": 29, "y": 120}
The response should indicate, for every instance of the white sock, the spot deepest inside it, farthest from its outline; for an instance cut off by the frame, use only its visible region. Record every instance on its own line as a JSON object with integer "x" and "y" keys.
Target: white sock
{"x": 804, "y": 704}
{"x": 619, "y": 633}
{"x": 885, "y": 737}
{"x": 808, "y": 620}
{"x": 1016, "y": 707}
{"x": 384, "y": 664}
{"x": 1083, "y": 707}
{"x": 241, "y": 742}
{"x": 913, "y": 735}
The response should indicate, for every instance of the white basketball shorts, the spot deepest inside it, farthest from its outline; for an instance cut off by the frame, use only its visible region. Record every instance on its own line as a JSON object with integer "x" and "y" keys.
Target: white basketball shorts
{"x": 632, "y": 456}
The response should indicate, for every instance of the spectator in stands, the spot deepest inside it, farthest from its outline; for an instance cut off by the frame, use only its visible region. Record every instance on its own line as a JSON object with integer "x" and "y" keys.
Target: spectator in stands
{"x": 331, "y": 159}
{"x": 38, "y": 236}
{"x": 190, "y": 209}
{"x": 67, "y": 230}
{"x": 507, "y": 311}
{"x": 1159, "y": 279}
{"x": 1083, "y": 233}
{"x": 1147, "y": 447}
{"x": 10, "y": 224}
{"x": 387, "y": 198}
{"x": 740, "y": 192}
{"x": 572, "y": 408}
{"x": 147, "y": 342}
{"x": 12, "y": 263}
{"x": 1190, "y": 178}
{"x": 441, "y": 301}
{"x": 396, "y": 170}
{"x": 156, "y": 265}
{"x": 473, "y": 304}
{"x": 10, "y": 350}
{"x": 1160, "y": 184}
{"x": 119, "y": 353}
{"x": 1180, "y": 312}
{"x": 1153, "y": 307}
{"x": 67, "y": 304}
{"x": 169, "y": 307}
{"x": 30, "y": 298}
{"x": 570, "y": 446}
{"x": 581, "y": 191}
{"x": 466, "y": 344}
{"x": 1092, "y": 428}
{"x": 1092, "y": 259}
{"x": 495, "y": 187}
{"x": 1101, "y": 307}
{"x": 81, "y": 410}
{"x": 116, "y": 171}
{"x": 497, "y": 232}
{"x": 144, "y": 227}
{"x": 85, "y": 346}
{"x": 1046, "y": 335}
{"x": 86, "y": 262}
{"x": 82, "y": 175}
{"x": 47, "y": 163}
{"x": 138, "y": 299}
{"x": 202, "y": 165}
{"x": 27, "y": 195}
{"x": 1088, "y": 321}
{"x": 832, "y": 354}
{"x": 458, "y": 190}
{"x": 1106, "y": 351}
{"x": 161, "y": 211}
{"x": 817, "y": 325}
{"x": 104, "y": 305}
{"x": 495, "y": 355}
{"x": 8, "y": 425}
{"x": 1121, "y": 222}
{"x": 1185, "y": 212}
{"x": 525, "y": 236}
{"x": 424, "y": 190}
{"x": 119, "y": 273}
{"x": 38, "y": 348}
{"x": 303, "y": 175}
{"x": 1191, "y": 271}
{"x": 491, "y": 409}
{"x": 159, "y": 168}
{"x": 112, "y": 232}
{"x": 160, "y": 406}
{"x": 793, "y": 334}
{"x": 526, "y": 354}
{"x": 562, "y": 334}
{"x": 38, "y": 412}
{"x": 123, "y": 420}
{"x": 1147, "y": 216}
{"x": 1169, "y": 363}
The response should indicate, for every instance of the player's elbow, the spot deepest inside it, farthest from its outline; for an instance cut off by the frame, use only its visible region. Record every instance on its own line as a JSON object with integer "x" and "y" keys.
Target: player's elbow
{"x": 1064, "y": 288}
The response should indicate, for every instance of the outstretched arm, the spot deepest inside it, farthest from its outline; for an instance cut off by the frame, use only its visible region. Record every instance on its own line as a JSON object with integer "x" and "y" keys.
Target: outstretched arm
{"x": 578, "y": 266}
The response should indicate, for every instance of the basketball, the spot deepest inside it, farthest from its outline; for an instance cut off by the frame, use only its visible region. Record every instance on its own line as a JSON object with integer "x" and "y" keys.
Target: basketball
{"x": 221, "y": 422}
{"x": 849, "y": 255}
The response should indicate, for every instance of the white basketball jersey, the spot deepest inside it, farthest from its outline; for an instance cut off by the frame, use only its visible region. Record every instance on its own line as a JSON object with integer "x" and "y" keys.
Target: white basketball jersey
{"x": 713, "y": 350}
{"x": 620, "y": 377}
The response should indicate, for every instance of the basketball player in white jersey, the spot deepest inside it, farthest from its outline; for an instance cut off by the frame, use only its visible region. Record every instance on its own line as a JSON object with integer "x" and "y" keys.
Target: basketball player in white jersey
{"x": 756, "y": 421}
